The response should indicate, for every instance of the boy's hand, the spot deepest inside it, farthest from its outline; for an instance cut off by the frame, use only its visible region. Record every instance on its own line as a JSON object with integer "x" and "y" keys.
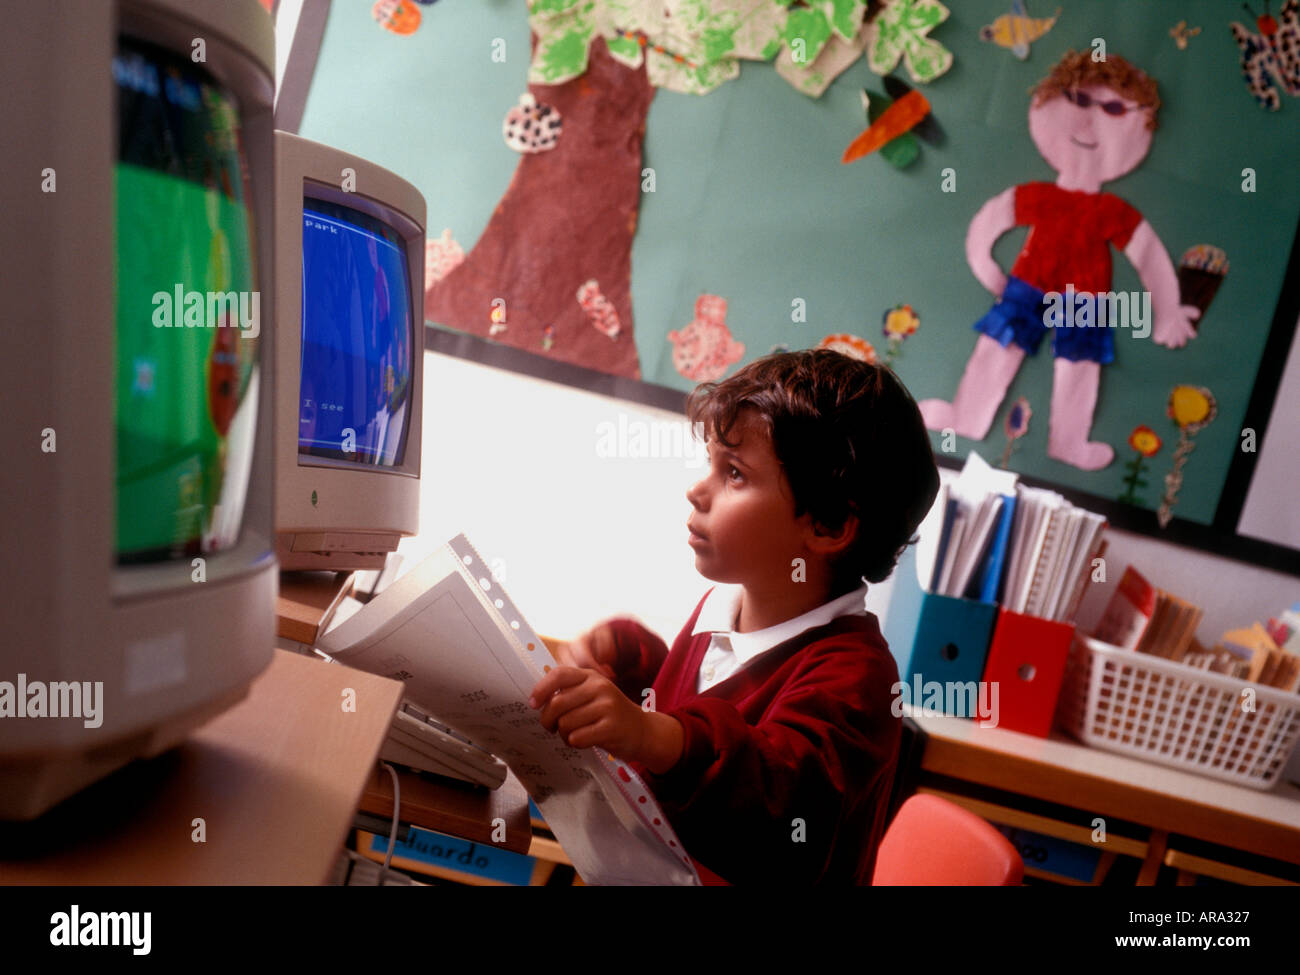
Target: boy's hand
{"x": 593, "y": 650}
{"x": 587, "y": 711}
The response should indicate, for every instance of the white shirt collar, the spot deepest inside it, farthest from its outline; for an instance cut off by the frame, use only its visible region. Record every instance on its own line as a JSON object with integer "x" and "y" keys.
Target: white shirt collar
{"x": 718, "y": 615}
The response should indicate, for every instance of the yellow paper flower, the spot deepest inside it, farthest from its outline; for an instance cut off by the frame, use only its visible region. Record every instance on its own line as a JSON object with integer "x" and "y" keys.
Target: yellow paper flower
{"x": 1191, "y": 407}
{"x": 1144, "y": 440}
{"x": 901, "y": 321}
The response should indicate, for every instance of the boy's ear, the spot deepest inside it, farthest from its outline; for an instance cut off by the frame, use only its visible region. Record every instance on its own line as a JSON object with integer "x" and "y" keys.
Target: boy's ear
{"x": 823, "y": 540}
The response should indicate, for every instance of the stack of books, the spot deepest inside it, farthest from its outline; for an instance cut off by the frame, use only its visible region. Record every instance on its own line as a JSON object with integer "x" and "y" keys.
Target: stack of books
{"x": 990, "y": 538}
{"x": 1146, "y": 619}
{"x": 1149, "y": 620}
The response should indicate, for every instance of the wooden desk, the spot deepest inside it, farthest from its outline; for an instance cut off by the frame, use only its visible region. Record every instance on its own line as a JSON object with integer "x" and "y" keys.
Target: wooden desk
{"x": 306, "y": 600}
{"x": 276, "y": 779}
{"x": 1167, "y": 800}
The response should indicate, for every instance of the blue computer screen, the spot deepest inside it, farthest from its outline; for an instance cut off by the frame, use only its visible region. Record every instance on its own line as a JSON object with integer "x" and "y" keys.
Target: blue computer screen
{"x": 356, "y": 337}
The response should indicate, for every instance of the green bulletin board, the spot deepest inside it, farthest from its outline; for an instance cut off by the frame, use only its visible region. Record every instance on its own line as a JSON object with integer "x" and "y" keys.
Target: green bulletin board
{"x": 751, "y": 203}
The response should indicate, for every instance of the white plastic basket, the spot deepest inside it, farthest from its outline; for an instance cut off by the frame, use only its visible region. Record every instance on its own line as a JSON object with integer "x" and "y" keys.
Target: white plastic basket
{"x": 1155, "y": 709}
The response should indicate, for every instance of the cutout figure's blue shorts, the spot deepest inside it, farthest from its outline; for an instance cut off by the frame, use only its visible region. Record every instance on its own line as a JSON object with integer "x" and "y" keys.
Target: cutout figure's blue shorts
{"x": 1020, "y": 316}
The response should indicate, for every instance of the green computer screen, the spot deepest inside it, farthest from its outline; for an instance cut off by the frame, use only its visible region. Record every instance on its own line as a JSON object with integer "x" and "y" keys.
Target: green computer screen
{"x": 187, "y": 310}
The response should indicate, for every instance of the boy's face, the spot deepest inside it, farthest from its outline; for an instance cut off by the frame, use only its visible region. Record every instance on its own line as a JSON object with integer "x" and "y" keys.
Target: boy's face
{"x": 1087, "y": 143}
{"x": 743, "y": 528}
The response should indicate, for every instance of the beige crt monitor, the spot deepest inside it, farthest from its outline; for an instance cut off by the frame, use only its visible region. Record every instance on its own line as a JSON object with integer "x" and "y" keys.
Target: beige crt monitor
{"x": 137, "y": 577}
{"x": 349, "y": 256}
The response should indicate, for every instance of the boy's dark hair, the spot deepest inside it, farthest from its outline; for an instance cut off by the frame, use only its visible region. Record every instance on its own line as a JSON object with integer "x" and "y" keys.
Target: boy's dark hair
{"x": 851, "y": 440}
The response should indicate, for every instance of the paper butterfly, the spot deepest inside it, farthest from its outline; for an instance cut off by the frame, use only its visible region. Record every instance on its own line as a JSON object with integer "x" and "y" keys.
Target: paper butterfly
{"x": 1271, "y": 55}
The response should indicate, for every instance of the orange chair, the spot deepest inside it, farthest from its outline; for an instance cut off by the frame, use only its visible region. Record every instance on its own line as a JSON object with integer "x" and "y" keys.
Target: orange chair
{"x": 935, "y": 843}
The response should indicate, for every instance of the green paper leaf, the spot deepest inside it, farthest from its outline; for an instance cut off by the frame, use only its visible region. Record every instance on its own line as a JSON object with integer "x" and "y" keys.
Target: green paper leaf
{"x": 626, "y": 49}
{"x": 810, "y": 26}
{"x": 901, "y": 152}
{"x": 846, "y": 17}
{"x": 550, "y": 6}
{"x": 717, "y": 42}
{"x": 561, "y": 59}
{"x": 899, "y": 32}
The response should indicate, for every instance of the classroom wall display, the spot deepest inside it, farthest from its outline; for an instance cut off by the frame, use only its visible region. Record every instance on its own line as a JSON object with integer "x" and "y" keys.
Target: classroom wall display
{"x": 633, "y": 196}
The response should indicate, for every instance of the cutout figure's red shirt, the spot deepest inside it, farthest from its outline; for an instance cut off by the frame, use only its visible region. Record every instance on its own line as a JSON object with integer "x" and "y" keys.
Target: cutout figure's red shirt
{"x": 1070, "y": 233}
{"x": 806, "y": 732}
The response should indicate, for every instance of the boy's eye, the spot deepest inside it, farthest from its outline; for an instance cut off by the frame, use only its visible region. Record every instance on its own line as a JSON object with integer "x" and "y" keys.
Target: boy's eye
{"x": 734, "y": 473}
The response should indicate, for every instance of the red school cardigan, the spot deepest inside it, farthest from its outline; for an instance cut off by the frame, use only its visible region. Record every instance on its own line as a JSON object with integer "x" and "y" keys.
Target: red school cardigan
{"x": 787, "y": 765}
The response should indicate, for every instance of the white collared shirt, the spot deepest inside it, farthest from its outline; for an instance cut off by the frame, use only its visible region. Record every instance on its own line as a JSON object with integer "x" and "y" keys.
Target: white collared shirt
{"x": 730, "y": 652}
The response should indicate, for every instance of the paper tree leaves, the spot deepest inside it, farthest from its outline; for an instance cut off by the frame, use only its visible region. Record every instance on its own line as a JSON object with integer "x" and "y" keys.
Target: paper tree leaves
{"x": 900, "y": 32}
{"x": 693, "y": 46}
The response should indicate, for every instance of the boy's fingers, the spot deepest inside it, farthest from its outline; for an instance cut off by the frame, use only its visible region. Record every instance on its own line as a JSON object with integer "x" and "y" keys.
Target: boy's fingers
{"x": 563, "y": 701}
{"x": 557, "y": 679}
{"x": 579, "y": 717}
{"x": 603, "y": 647}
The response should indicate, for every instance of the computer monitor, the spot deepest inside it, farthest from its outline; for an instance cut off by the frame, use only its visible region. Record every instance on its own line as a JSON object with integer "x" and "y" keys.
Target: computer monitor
{"x": 349, "y": 255}
{"x": 138, "y": 577}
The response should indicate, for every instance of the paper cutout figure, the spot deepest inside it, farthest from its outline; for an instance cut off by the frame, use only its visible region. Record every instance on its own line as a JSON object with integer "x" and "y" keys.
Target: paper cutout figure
{"x": 399, "y": 16}
{"x": 1193, "y": 408}
{"x": 442, "y": 255}
{"x": 1147, "y": 444}
{"x": 891, "y": 122}
{"x": 1017, "y": 30}
{"x": 1093, "y": 122}
{"x": 603, "y": 315}
{"x": 531, "y": 126}
{"x": 899, "y": 322}
{"x": 849, "y": 345}
{"x": 1182, "y": 34}
{"x": 1271, "y": 55}
{"x": 704, "y": 349}
{"x": 899, "y": 31}
{"x": 1015, "y": 427}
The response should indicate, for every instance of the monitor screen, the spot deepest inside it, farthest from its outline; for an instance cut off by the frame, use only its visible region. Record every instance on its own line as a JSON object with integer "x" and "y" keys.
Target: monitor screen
{"x": 356, "y": 337}
{"x": 187, "y": 309}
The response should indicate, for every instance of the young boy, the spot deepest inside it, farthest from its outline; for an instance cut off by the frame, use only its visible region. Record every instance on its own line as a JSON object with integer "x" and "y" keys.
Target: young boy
{"x": 1093, "y": 122}
{"x": 771, "y": 743}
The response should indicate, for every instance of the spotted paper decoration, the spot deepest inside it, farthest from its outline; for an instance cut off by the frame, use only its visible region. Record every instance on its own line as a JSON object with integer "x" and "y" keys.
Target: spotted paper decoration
{"x": 532, "y": 126}
{"x": 600, "y": 310}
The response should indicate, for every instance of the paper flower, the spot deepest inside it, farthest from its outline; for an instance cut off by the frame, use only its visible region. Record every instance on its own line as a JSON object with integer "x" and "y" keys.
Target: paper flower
{"x": 899, "y": 322}
{"x": 849, "y": 345}
{"x": 899, "y": 30}
{"x": 1193, "y": 408}
{"x": 398, "y": 16}
{"x": 1016, "y": 426}
{"x": 1145, "y": 441}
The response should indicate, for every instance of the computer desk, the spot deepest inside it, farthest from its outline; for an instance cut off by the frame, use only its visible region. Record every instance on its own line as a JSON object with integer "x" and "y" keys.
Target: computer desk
{"x": 429, "y": 802}
{"x": 275, "y": 780}
{"x": 1169, "y": 803}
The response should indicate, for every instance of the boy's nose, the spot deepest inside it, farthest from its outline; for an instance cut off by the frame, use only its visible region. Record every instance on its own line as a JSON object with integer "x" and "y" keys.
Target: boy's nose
{"x": 695, "y": 495}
